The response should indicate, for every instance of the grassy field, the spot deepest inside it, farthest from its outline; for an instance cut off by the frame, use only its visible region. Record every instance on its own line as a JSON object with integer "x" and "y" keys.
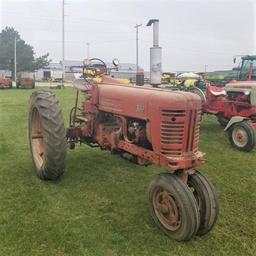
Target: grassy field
{"x": 99, "y": 206}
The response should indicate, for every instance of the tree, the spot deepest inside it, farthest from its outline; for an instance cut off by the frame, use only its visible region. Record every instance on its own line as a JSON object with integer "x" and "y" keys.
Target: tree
{"x": 25, "y": 53}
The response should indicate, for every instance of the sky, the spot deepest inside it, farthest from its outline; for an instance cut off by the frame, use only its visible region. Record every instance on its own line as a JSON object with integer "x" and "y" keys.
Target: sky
{"x": 194, "y": 35}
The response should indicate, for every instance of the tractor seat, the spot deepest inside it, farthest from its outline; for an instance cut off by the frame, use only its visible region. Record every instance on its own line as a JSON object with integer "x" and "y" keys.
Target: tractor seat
{"x": 217, "y": 91}
{"x": 81, "y": 85}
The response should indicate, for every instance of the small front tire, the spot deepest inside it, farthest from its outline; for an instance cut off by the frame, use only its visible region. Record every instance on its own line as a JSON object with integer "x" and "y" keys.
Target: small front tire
{"x": 207, "y": 200}
{"x": 173, "y": 207}
{"x": 242, "y": 136}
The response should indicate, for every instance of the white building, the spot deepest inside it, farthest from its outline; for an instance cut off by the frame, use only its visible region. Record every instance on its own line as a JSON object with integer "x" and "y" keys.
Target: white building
{"x": 54, "y": 70}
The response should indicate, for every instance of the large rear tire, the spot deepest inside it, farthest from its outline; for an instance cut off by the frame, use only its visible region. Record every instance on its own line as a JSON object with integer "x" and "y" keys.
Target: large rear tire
{"x": 242, "y": 136}
{"x": 47, "y": 136}
{"x": 199, "y": 92}
{"x": 173, "y": 207}
{"x": 207, "y": 200}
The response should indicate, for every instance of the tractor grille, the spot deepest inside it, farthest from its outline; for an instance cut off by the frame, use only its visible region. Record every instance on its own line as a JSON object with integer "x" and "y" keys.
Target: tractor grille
{"x": 179, "y": 131}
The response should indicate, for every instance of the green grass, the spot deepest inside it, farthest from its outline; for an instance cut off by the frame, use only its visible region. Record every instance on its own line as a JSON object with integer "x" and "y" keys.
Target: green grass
{"x": 99, "y": 206}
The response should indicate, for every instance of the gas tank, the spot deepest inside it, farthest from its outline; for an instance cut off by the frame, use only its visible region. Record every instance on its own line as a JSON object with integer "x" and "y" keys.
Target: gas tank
{"x": 142, "y": 102}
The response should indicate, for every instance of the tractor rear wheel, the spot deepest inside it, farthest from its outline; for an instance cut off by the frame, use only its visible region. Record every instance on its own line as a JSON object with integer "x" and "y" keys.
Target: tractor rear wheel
{"x": 207, "y": 200}
{"x": 199, "y": 92}
{"x": 173, "y": 207}
{"x": 242, "y": 136}
{"x": 47, "y": 136}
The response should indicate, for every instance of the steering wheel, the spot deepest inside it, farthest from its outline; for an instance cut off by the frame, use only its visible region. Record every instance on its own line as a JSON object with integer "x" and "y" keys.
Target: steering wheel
{"x": 95, "y": 67}
{"x": 99, "y": 60}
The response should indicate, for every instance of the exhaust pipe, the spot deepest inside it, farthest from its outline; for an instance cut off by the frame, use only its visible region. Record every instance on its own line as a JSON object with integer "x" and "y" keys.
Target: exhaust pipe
{"x": 155, "y": 55}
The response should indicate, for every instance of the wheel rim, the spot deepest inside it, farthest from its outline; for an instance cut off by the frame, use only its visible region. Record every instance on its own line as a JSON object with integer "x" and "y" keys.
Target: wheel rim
{"x": 166, "y": 209}
{"x": 36, "y": 138}
{"x": 240, "y": 137}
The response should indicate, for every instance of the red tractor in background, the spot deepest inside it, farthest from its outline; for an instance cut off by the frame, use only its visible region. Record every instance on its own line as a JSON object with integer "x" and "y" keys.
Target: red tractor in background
{"x": 25, "y": 81}
{"x": 235, "y": 105}
{"x": 5, "y": 83}
{"x": 142, "y": 124}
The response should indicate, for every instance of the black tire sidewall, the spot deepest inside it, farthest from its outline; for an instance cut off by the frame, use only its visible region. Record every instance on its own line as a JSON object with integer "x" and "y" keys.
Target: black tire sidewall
{"x": 208, "y": 201}
{"x": 50, "y": 170}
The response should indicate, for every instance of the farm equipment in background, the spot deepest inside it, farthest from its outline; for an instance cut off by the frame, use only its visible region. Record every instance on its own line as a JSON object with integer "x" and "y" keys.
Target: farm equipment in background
{"x": 144, "y": 125}
{"x": 189, "y": 82}
{"x": 221, "y": 78}
{"x": 5, "y": 83}
{"x": 167, "y": 77}
{"x": 25, "y": 83}
{"x": 25, "y": 80}
{"x": 235, "y": 106}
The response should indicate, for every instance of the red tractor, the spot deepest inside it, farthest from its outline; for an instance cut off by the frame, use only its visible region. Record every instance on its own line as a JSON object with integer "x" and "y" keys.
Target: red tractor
{"x": 235, "y": 106}
{"x": 25, "y": 81}
{"x": 143, "y": 125}
{"x": 5, "y": 83}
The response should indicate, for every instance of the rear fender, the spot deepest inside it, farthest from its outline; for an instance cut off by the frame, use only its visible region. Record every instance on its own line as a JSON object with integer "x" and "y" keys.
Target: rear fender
{"x": 234, "y": 120}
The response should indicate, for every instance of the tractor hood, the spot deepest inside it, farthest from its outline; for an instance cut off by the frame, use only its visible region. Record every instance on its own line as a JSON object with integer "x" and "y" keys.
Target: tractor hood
{"x": 240, "y": 86}
{"x": 247, "y": 87}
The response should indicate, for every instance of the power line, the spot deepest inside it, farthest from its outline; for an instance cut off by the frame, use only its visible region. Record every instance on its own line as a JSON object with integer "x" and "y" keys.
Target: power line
{"x": 68, "y": 30}
{"x": 74, "y": 20}
{"x": 80, "y": 42}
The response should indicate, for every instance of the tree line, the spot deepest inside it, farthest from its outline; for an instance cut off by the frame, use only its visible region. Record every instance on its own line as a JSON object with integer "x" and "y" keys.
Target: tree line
{"x": 26, "y": 60}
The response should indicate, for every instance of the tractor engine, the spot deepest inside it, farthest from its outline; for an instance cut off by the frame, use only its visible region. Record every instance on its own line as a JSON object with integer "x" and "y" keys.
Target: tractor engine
{"x": 239, "y": 97}
{"x": 145, "y": 125}
{"x": 111, "y": 129}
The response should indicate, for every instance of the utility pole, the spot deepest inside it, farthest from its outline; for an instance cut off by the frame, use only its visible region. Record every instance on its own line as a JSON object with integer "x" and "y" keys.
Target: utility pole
{"x": 15, "y": 61}
{"x": 205, "y": 67}
{"x": 137, "y": 45}
{"x": 88, "y": 50}
{"x": 63, "y": 43}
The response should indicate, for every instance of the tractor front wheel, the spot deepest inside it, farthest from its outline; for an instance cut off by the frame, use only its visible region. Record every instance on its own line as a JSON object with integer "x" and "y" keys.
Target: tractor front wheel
{"x": 173, "y": 207}
{"x": 47, "y": 136}
{"x": 242, "y": 136}
{"x": 207, "y": 201}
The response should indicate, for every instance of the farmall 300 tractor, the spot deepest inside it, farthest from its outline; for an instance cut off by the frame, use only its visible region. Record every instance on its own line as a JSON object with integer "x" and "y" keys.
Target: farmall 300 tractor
{"x": 144, "y": 125}
{"x": 235, "y": 105}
